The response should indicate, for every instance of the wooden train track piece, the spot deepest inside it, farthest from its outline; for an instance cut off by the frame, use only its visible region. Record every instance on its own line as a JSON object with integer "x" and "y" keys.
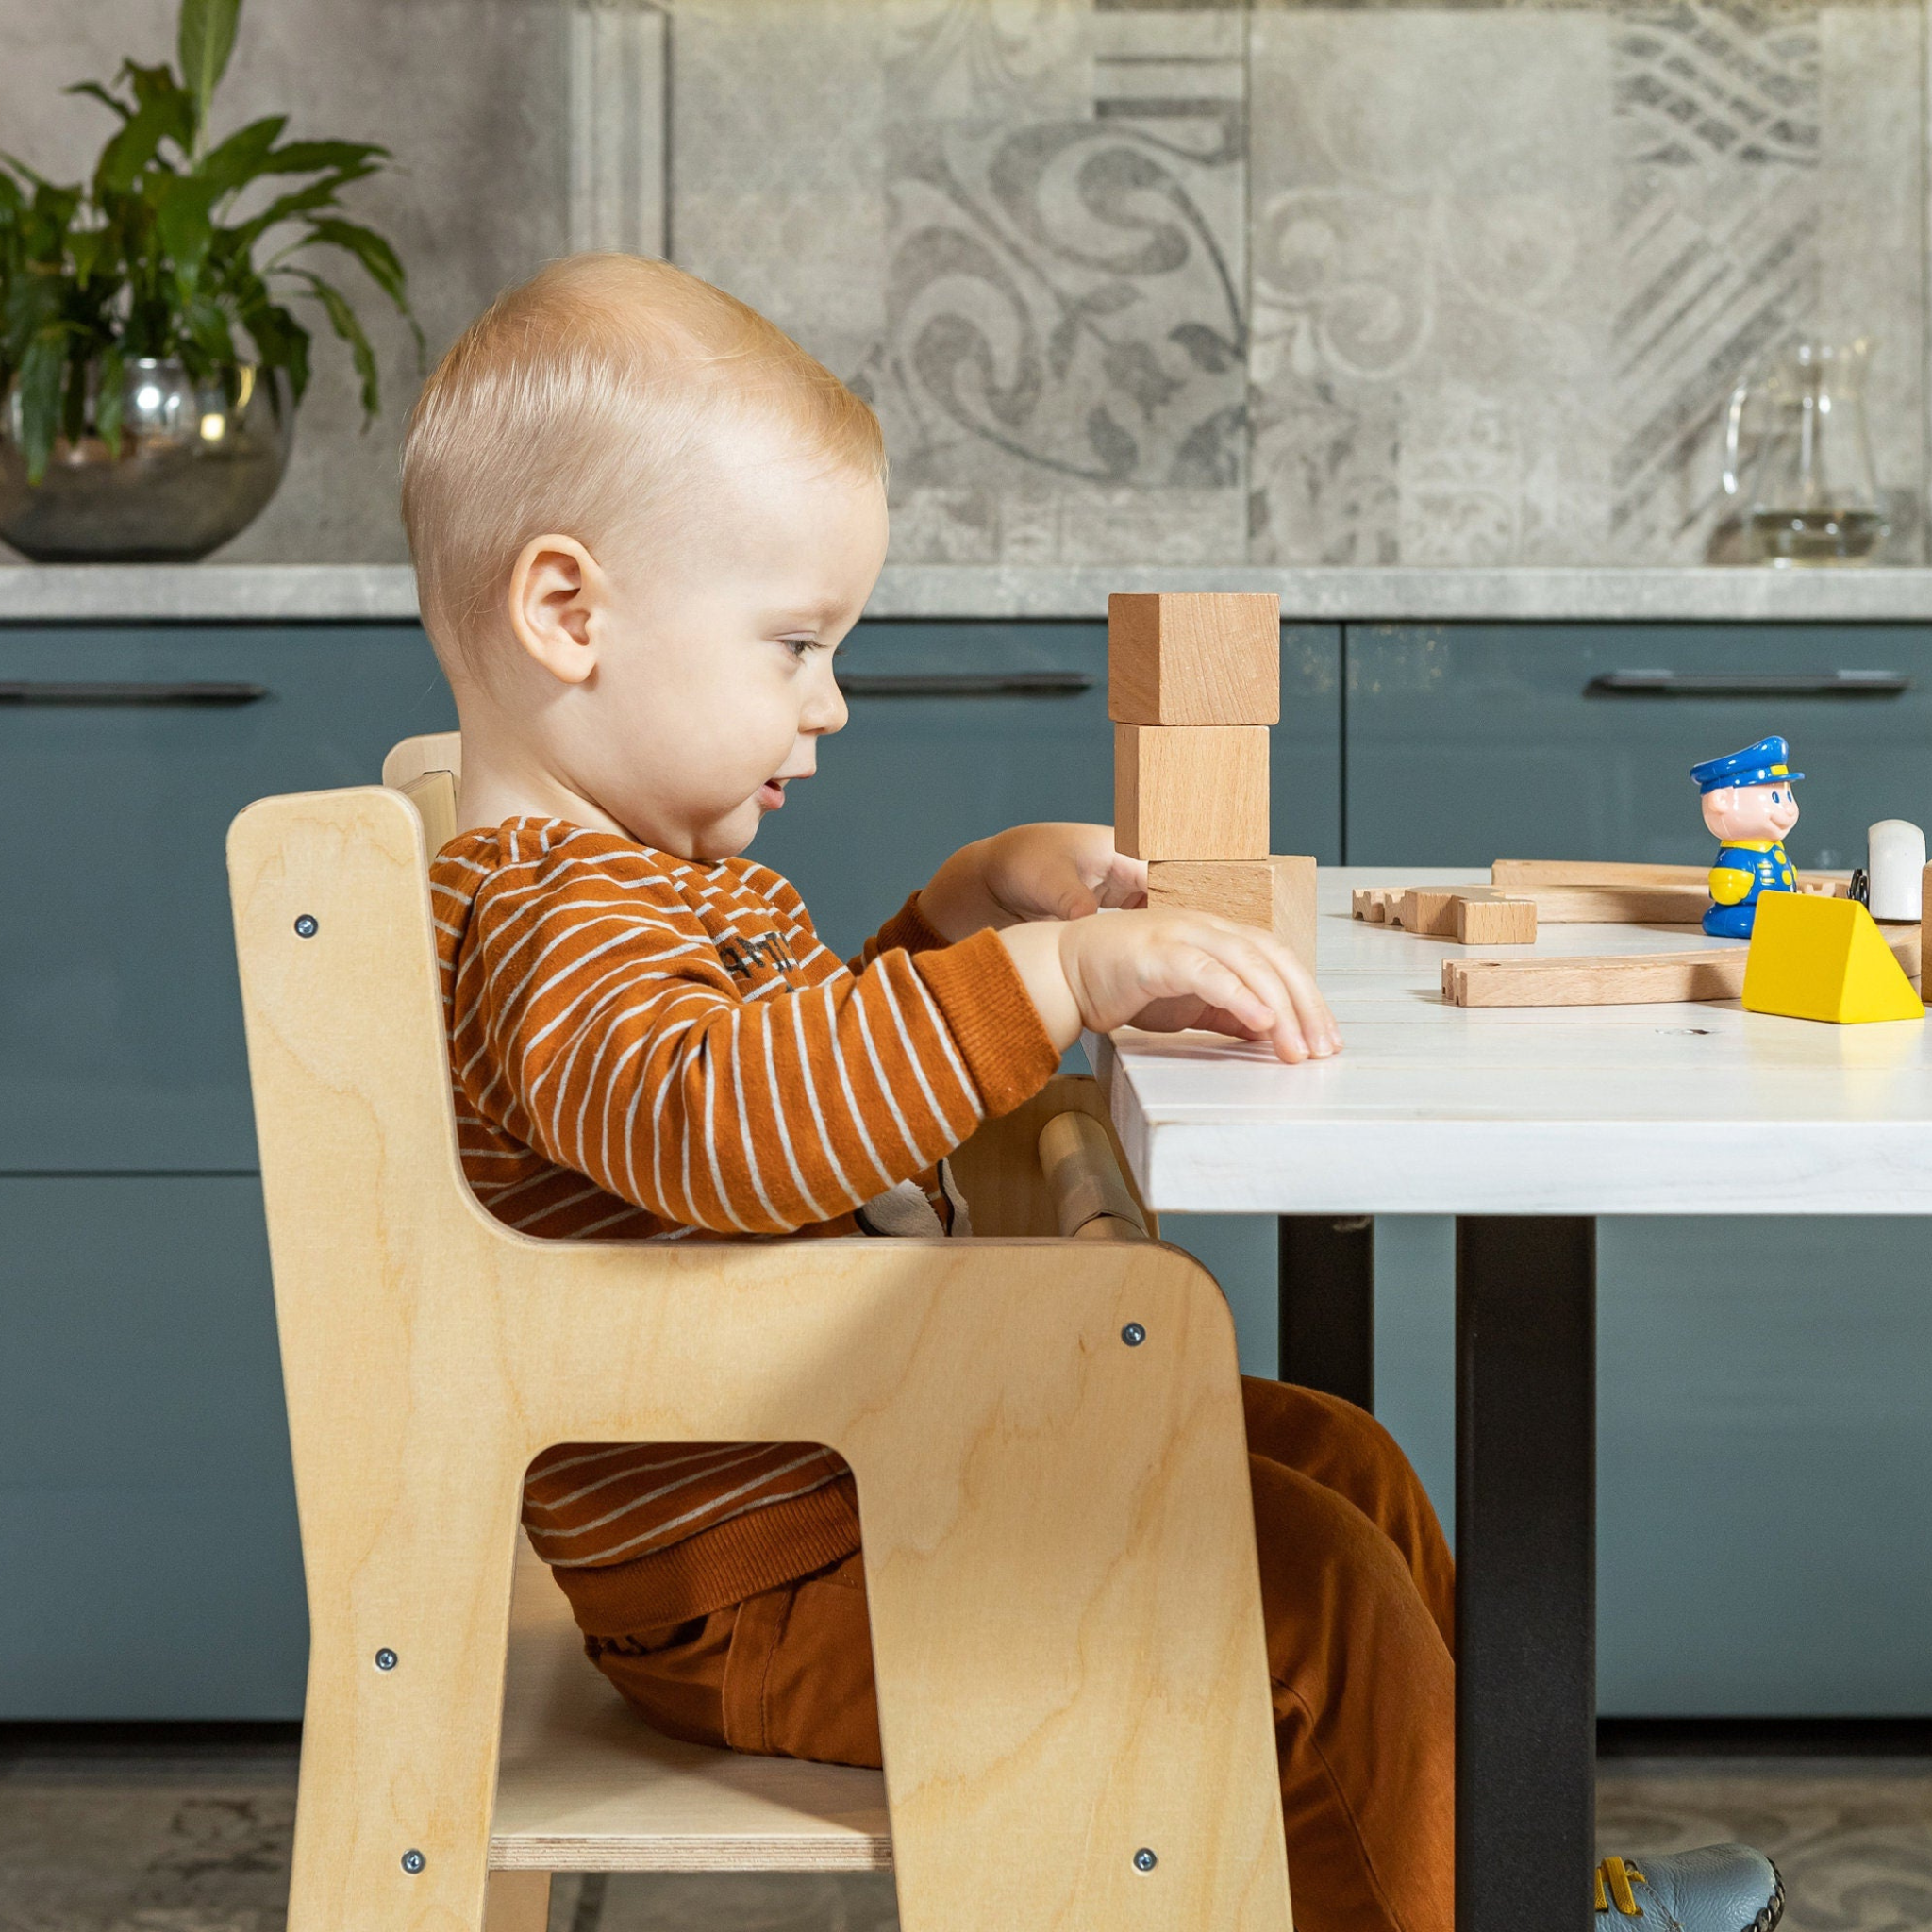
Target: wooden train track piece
{"x": 1447, "y": 912}
{"x": 1647, "y": 905}
{"x": 1624, "y": 979}
{"x": 1471, "y": 915}
{"x": 1539, "y": 875}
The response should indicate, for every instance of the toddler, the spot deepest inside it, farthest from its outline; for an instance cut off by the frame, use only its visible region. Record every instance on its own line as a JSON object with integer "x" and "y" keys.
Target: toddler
{"x": 642, "y": 520}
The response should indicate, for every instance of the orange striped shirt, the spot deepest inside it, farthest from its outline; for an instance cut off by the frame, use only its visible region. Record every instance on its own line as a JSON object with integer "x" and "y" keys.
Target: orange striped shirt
{"x": 648, "y": 1048}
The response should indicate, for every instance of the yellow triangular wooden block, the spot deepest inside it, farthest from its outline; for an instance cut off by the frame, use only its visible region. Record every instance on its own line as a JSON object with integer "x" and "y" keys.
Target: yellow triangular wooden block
{"x": 1815, "y": 959}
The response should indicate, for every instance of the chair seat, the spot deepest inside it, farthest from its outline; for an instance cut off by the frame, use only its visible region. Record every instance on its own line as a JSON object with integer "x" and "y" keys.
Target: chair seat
{"x": 584, "y": 1785}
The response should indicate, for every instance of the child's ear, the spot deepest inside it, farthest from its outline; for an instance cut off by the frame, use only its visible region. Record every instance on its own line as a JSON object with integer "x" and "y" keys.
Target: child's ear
{"x": 556, "y": 600}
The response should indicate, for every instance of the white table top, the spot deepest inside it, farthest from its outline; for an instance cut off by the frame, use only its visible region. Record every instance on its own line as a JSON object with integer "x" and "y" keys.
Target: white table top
{"x": 1436, "y": 1109}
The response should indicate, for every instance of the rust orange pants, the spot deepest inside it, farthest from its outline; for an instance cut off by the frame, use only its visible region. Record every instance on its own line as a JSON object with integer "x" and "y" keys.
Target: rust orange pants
{"x": 1357, "y": 1595}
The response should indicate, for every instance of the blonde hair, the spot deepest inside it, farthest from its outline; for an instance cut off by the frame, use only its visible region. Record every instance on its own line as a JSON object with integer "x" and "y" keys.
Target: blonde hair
{"x": 574, "y": 401}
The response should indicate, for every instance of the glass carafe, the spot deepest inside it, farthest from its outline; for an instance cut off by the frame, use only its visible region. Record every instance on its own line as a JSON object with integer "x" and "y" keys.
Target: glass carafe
{"x": 1809, "y": 495}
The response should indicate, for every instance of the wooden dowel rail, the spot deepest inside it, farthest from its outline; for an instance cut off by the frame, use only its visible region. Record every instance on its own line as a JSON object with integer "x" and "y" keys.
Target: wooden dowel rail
{"x": 1091, "y": 1199}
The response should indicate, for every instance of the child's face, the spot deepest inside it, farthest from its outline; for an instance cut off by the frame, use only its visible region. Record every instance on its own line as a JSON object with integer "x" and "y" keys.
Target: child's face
{"x": 713, "y": 679}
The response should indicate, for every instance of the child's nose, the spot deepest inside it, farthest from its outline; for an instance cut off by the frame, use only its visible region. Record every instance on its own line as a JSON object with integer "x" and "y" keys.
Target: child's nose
{"x": 825, "y": 710}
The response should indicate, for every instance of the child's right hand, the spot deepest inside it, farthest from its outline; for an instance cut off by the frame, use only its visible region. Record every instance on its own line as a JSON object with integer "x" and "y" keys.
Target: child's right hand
{"x": 1167, "y": 971}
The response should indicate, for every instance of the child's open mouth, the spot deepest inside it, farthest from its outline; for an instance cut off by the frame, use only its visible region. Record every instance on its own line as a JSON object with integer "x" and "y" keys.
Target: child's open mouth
{"x": 772, "y": 794}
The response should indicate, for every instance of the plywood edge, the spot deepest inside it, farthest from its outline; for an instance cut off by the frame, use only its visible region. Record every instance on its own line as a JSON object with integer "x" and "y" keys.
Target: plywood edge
{"x": 413, "y": 757}
{"x": 691, "y": 1852}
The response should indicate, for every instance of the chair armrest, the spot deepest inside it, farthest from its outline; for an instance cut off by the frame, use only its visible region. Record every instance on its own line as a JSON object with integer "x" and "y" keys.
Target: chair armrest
{"x": 1052, "y": 1477}
{"x": 999, "y": 1168}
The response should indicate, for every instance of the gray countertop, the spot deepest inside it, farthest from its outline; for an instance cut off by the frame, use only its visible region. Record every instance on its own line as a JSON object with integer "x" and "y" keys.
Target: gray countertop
{"x": 351, "y": 592}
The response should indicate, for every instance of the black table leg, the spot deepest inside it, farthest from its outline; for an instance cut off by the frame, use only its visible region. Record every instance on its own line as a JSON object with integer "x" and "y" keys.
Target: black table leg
{"x": 1327, "y": 1282}
{"x": 1525, "y": 1577}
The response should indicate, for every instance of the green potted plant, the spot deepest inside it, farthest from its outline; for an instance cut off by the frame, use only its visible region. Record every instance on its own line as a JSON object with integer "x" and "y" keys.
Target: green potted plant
{"x": 150, "y": 363}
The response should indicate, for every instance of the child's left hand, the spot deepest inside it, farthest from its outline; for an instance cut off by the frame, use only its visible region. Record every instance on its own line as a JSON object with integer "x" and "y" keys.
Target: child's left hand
{"x": 1032, "y": 872}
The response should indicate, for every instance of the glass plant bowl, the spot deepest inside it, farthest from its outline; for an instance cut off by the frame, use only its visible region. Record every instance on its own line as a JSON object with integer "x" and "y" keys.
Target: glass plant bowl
{"x": 194, "y": 470}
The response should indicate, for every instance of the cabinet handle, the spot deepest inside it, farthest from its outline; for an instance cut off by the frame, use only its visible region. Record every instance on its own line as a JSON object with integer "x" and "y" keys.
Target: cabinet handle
{"x": 47, "y": 691}
{"x": 967, "y": 684}
{"x": 1748, "y": 684}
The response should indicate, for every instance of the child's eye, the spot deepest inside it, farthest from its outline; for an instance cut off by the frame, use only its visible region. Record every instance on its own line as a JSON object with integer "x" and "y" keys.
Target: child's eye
{"x": 799, "y": 647}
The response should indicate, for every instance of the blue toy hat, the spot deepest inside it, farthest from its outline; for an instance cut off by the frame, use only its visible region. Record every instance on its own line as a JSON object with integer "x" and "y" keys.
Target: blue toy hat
{"x": 1756, "y": 764}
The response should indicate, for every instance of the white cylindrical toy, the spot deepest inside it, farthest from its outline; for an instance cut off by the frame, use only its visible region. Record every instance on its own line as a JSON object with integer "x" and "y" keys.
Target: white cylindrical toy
{"x": 1896, "y": 865}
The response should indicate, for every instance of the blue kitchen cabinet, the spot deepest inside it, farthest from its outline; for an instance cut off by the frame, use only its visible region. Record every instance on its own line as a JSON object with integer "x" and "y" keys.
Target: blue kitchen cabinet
{"x": 120, "y": 1017}
{"x": 1470, "y": 743}
{"x": 147, "y": 1517}
{"x": 1761, "y": 1401}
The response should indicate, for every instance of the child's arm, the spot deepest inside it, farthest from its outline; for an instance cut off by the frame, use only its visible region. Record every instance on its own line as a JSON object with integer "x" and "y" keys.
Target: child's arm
{"x": 1031, "y": 871}
{"x": 1036, "y": 885}
{"x": 602, "y": 1029}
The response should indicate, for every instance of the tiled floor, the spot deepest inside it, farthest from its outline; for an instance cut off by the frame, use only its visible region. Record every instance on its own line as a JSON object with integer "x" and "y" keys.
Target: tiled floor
{"x": 157, "y": 1838}
{"x": 1852, "y": 1836}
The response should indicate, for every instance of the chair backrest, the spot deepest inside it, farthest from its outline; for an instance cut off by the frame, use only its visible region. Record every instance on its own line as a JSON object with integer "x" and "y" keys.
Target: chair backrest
{"x": 410, "y": 758}
{"x": 428, "y": 771}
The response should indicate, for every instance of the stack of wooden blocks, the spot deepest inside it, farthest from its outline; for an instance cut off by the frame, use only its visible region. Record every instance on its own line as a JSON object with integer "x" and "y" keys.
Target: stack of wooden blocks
{"x": 1193, "y": 682}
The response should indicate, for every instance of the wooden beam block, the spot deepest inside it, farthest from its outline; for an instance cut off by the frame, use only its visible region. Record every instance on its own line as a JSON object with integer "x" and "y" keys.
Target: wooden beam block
{"x": 1497, "y": 922}
{"x": 1624, "y": 979}
{"x": 1276, "y": 892}
{"x": 1621, "y": 980}
{"x": 1194, "y": 658}
{"x": 1652, "y": 905}
{"x": 1191, "y": 790}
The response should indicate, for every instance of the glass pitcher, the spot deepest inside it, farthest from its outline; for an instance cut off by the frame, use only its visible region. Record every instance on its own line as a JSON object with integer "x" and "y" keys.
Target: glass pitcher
{"x": 1812, "y": 497}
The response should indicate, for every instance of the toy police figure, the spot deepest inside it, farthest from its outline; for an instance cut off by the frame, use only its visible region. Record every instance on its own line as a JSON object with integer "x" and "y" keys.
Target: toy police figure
{"x": 1749, "y": 806}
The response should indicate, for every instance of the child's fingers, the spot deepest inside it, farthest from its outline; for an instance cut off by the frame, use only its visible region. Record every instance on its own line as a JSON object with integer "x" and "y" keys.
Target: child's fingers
{"x": 1198, "y": 972}
{"x": 1310, "y": 1011}
{"x": 1125, "y": 884}
{"x": 1300, "y": 1026}
{"x": 1220, "y": 965}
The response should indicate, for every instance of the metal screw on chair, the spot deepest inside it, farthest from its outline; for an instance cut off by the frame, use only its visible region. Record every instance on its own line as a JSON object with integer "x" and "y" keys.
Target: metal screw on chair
{"x": 1144, "y": 1860}
{"x": 413, "y": 1861}
{"x": 305, "y": 926}
{"x": 385, "y": 1660}
{"x": 1134, "y": 1334}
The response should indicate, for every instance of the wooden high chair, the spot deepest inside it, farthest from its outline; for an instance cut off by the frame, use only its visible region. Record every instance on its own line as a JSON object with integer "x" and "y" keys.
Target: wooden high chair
{"x": 1046, "y": 1433}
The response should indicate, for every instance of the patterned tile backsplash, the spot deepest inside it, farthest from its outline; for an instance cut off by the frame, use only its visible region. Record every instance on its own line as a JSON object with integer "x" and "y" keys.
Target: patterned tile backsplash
{"x": 1189, "y": 283}
{"x": 1301, "y": 284}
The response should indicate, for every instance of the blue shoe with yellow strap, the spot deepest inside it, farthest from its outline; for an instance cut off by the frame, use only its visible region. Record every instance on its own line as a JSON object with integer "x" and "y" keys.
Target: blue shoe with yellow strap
{"x": 1714, "y": 1888}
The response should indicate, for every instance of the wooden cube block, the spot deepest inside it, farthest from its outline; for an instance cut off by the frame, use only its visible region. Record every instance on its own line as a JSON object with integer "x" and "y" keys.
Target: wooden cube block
{"x": 1191, "y": 790}
{"x": 1487, "y": 922}
{"x": 1194, "y": 658}
{"x": 1429, "y": 910}
{"x": 1276, "y": 892}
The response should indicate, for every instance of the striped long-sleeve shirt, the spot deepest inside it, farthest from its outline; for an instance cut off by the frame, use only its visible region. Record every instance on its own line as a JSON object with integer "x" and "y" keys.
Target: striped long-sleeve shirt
{"x": 646, "y": 1047}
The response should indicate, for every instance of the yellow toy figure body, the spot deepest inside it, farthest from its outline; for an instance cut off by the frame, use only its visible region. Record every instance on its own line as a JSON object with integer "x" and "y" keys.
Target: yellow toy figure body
{"x": 1749, "y": 806}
